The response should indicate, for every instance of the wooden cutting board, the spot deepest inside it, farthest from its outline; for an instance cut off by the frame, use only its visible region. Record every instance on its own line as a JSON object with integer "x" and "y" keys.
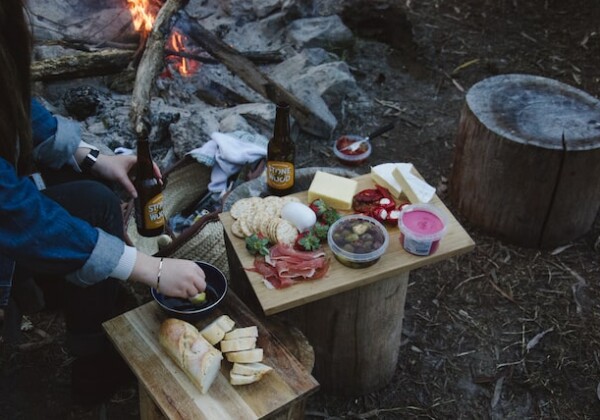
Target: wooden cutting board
{"x": 340, "y": 278}
{"x": 135, "y": 335}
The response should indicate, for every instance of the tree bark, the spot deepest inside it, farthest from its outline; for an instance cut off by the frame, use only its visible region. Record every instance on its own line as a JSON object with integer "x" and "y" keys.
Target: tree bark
{"x": 526, "y": 160}
{"x": 84, "y": 64}
{"x": 150, "y": 64}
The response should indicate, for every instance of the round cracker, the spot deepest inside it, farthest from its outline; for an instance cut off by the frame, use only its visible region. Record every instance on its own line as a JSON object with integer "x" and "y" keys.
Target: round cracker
{"x": 240, "y": 207}
{"x": 236, "y": 229}
{"x": 286, "y": 233}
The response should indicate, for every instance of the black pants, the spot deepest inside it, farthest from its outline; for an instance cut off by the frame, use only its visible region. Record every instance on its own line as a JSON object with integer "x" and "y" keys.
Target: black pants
{"x": 85, "y": 308}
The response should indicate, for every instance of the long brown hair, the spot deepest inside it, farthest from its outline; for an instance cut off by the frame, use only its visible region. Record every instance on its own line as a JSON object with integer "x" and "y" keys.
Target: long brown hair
{"x": 15, "y": 90}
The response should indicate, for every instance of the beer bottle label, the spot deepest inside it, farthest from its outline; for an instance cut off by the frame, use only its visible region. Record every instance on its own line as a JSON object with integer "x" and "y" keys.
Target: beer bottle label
{"x": 280, "y": 175}
{"x": 153, "y": 212}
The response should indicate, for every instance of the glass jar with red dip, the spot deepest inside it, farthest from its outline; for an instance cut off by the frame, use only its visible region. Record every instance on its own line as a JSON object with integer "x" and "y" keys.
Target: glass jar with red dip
{"x": 350, "y": 157}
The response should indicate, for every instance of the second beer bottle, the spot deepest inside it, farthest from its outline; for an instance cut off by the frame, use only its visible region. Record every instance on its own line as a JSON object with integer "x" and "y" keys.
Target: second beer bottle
{"x": 149, "y": 215}
{"x": 281, "y": 154}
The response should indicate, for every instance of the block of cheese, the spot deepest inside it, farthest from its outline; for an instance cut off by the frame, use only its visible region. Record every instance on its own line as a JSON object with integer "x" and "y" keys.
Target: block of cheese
{"x": 335, "y": 190}
{"x": 382, "y": 175}
{"x": 414, "y": 188}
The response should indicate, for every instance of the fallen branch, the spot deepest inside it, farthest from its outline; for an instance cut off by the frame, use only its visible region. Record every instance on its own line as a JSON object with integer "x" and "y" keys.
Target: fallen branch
{"x": 84, "y": 64}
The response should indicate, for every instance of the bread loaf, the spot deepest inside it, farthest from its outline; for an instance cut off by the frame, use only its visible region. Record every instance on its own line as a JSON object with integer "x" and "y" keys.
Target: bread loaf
{"x": 250, "y": 369}
{"x": 242, "y": 333}
{"x": 200, "y": 361}
{"x": 237, "y": 344}
{"x": 245, "y": 356}
{"x": 216, "y": 330}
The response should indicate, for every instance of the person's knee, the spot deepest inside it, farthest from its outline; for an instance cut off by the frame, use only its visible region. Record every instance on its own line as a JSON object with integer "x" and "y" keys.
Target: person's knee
{"x": 104, "y": 206}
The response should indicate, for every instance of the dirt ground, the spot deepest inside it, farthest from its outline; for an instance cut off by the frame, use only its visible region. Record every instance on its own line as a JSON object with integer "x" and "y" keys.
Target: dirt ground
{"x": 500, "y": 333}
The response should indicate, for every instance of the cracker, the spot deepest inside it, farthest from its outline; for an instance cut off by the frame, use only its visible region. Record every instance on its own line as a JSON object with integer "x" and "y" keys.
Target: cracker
{"x": 244, "y": 226}
{"x": 241, "y": 206}
{"x": 236, "y": 229}
{"x": 286, "y": 233}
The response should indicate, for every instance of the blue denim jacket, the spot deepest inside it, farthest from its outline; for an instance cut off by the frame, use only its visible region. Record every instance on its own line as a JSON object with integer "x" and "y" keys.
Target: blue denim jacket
{"x": 34, "y": 230}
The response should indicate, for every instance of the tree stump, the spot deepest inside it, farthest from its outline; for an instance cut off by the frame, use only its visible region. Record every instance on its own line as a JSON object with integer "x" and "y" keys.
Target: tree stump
{"x": 526, "y": 160}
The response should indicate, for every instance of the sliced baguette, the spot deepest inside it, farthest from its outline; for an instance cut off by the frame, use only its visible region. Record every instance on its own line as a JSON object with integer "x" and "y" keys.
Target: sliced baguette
{"x": 242, "y": 333}
{"x": 250, "y": 369}
{"x": 200, "y": 361}
{"x": 245, "y": 356}
{"x": 238, "y": 344}
{"x": 216, "y": 330}
{"x": 237, "y": 379}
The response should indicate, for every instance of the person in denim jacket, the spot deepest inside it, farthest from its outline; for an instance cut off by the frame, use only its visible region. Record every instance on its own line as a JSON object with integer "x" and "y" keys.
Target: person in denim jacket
{"x": 67, "y": 236}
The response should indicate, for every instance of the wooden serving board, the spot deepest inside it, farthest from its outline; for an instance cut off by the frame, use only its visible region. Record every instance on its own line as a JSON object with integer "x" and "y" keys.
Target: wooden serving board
{"x": 135, "y": 335}
{"x": 339, "y": 277}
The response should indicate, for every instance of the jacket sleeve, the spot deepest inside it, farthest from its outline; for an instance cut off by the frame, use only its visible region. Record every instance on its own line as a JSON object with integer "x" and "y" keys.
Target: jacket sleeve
{"x": 37, "y": 232}
{"x": 55, "y": 138}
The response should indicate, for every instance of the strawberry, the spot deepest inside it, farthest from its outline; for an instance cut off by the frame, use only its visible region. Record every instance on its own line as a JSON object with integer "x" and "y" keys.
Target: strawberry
{"x": 318, "y": 206}
{"x": 320, "y": 230}
{"x": 307, "y": 241}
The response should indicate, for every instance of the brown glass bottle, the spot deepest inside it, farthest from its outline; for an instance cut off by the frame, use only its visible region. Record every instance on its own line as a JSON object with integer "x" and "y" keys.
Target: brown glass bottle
{"x": 149, "y": 215}
{"x": 281, "y": 154}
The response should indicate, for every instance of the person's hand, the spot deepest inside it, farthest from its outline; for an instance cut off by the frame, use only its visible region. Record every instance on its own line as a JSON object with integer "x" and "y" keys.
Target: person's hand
{"x": 115, "y": 168}
{"x": 178, "y": 278}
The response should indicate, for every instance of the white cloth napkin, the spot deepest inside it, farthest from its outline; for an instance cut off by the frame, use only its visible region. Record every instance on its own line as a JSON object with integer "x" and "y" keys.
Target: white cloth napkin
{"x": 227, "y": 153}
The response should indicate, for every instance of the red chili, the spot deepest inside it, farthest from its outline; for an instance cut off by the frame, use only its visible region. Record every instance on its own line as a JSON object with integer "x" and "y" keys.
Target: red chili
{"x": 380, "y": 214}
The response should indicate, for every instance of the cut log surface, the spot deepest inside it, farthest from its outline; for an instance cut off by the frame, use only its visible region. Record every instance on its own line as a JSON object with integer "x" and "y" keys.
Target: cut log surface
{"x": 526, "y": 160}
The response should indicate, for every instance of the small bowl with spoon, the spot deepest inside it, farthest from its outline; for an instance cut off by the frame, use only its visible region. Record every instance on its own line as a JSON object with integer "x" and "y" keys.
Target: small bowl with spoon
{"x": 353, "y": 150}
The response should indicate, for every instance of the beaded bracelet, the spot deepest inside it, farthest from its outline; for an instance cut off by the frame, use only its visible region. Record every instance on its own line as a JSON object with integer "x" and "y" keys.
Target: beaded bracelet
{"x": 158, "y": 275}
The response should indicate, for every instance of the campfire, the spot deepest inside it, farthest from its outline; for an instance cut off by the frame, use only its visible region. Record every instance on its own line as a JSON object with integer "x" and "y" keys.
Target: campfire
{"x": 214, "y": 60}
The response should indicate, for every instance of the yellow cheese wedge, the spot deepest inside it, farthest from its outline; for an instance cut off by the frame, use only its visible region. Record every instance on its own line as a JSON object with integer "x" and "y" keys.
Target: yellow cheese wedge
{"x": 413, "y": 187}
{"x": 335, "y": 190}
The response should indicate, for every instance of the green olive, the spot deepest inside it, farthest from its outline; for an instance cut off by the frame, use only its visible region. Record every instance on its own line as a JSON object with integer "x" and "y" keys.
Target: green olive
{"x": 352, "y": 237}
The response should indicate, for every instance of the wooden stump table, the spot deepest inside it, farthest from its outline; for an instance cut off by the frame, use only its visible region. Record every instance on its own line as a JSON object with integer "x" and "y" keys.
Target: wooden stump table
{"x": 351, "y": 317}
{"x": 526, "y": 160}
{"x": 166, "y": 392}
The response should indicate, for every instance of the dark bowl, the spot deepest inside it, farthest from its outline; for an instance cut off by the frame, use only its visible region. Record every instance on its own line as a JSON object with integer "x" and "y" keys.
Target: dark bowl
{"x": 216, "y": 289}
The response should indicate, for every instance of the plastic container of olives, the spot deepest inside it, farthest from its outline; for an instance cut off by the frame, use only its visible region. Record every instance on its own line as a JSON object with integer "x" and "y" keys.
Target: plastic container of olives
{"x": 357, "y": 241}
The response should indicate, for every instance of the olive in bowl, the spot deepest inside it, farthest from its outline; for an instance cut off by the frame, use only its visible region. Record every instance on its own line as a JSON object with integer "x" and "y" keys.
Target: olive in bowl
{"x": 186, "y": 309}
{"x": 357, "y": 241}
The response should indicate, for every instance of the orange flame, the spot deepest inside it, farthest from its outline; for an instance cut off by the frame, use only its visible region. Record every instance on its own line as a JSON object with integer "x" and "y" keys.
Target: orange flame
{"x": 143, "y": 15}
{"x": 184, "y": 66}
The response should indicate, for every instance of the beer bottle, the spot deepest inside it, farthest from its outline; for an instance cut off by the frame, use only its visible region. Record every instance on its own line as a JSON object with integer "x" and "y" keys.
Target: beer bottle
{"x": 149, "y": 215}
{"x": 281, "y": 154}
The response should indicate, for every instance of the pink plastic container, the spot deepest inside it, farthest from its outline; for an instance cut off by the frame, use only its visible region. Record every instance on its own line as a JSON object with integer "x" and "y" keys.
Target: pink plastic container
{"x": 422, "y": 227}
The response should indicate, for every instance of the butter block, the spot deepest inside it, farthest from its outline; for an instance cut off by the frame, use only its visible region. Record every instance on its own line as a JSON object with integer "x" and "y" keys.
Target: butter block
{"x": 382, "y": 175}
{"x": 335, "y": 190}
{"x": 413, "y": 187}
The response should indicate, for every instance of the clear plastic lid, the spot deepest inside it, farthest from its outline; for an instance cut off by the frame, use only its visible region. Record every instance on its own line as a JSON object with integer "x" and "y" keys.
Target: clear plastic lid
{"x": 339, "y": 238}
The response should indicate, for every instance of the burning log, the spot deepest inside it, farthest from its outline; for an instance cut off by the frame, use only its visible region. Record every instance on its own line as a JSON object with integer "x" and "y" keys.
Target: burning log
{"x": 115, "y": 60}
{"x": 84, "y": 64}
{"x": 251, "y": 75}
{"x": 150, "y": 64}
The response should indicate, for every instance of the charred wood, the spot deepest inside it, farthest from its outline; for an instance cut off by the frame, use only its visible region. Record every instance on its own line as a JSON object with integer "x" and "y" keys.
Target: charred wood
{"x": 84, "y": 64}
{"x": 250, "y": 74}
{"x": 150, "y": 64}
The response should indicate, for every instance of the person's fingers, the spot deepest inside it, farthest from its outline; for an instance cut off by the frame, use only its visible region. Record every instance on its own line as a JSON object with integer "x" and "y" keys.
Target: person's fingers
{"x": 126, "y": 183}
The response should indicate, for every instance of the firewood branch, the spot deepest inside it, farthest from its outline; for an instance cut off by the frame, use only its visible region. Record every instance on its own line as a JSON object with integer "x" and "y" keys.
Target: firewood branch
{"x": 250, "y": 74}
{"x": 150, "y": 64}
